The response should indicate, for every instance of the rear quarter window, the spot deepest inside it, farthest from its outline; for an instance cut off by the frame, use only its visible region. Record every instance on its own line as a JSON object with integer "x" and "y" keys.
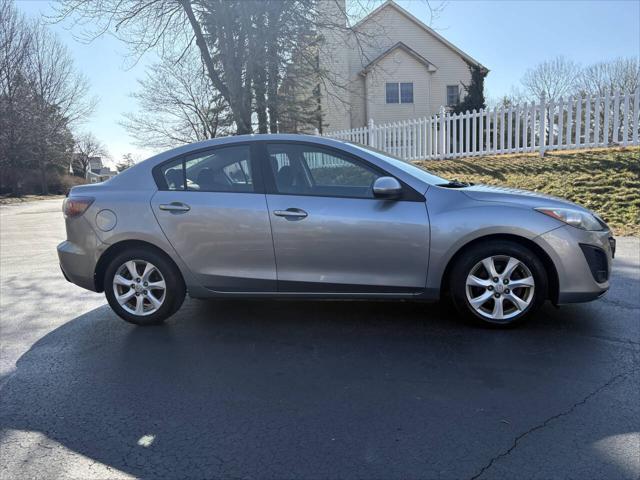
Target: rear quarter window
{"x": 171, "y": 176}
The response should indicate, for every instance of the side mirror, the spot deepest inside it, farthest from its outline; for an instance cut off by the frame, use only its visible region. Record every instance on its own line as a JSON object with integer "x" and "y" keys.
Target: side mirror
{"x": 387, "y": 187}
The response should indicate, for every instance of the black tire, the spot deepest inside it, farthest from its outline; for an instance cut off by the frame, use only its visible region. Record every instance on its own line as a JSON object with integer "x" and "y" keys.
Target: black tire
{"x": 469, "y": 260}
{"x": 174, "y": 293}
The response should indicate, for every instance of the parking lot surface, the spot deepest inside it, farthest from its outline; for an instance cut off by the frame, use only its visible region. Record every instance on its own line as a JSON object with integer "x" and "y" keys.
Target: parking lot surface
{"x": 295, "y": 390}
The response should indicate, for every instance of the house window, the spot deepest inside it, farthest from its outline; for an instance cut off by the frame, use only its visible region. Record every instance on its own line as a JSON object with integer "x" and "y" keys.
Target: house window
{"x": 453, "y": 95}
{"x": 406, "y": 93}
{"x": 392, "y": 93}
{"x": 399, "y": 92}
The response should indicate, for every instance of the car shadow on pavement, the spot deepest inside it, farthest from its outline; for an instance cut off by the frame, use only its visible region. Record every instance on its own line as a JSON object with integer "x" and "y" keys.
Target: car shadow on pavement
{"x": 323, "y": 389}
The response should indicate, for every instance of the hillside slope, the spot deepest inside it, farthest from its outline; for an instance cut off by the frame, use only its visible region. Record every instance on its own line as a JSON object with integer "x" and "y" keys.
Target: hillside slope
{"x": 605, "y": 180}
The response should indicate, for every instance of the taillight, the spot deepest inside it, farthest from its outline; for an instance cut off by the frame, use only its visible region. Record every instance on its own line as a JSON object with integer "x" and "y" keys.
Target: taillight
{"x": 76, "y": 206}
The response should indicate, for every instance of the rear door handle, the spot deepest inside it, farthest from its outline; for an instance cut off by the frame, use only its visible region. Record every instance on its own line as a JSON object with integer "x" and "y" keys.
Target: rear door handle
{"x": 291, "y": 213}
{"x": 175, "y": 207}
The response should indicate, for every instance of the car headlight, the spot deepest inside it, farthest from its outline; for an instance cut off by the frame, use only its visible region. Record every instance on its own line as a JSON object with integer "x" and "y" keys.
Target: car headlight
{"x": 575, "y": 218}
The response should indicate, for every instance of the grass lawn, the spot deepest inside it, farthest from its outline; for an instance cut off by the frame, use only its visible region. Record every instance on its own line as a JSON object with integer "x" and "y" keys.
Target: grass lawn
{"x": 606, "y": 180}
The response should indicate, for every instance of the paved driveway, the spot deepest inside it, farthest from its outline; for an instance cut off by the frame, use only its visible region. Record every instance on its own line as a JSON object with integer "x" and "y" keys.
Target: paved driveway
{"x": 274, "y": 389}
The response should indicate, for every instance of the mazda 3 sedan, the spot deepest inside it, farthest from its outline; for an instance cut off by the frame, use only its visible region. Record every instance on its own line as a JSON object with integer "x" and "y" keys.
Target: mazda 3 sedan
{"x": 297, "y": 216}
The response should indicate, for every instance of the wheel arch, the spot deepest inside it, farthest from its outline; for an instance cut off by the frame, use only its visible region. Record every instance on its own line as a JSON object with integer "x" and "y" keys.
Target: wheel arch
{"x": 121, "y": 246}
{"x": 550, "y": 268}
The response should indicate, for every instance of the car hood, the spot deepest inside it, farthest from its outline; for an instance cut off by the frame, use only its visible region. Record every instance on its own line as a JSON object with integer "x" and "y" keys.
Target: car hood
{"x": 489, "y": 193}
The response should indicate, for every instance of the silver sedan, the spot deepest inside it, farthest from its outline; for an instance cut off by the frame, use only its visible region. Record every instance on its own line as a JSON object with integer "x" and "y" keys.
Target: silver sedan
{"x": 300, "y": 216}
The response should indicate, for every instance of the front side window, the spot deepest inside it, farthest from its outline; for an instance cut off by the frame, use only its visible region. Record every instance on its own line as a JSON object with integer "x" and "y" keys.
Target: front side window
{"x": 404, "y": 165}
{"x": 309, "y": 170}
{"x": 225, "y": 169}
{"x": 453, "y": 95}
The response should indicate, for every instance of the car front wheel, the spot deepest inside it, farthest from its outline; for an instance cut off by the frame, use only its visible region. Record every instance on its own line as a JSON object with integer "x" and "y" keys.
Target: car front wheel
{"x": 143, "y": 287}
{"x": 498, "y": 283}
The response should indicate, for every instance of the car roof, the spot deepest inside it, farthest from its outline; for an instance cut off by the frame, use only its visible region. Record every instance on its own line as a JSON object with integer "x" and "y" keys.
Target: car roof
{"x": 272, "y": 137}
{"x": 139, "y": 174}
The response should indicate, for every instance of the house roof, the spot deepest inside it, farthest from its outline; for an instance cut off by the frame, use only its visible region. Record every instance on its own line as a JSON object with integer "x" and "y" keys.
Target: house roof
{"x": 400, "y": 46}
{"x": 95, "y": 162}
{"x": 425, "y": 27}
{"x": 102, "y": 172}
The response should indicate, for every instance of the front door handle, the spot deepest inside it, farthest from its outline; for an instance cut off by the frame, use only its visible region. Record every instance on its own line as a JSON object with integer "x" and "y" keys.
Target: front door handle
{"x": 175, "y": 207}
{"x": 291, "y": 213}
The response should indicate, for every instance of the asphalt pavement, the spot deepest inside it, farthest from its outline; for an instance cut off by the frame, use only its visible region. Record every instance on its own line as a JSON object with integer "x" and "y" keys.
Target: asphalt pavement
{"x": 307, "y": 390}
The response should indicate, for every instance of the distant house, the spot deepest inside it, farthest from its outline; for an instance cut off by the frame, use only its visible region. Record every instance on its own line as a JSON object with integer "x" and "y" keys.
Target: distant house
{"x": 97, "y": 172}
{"x": 390, "y": 67}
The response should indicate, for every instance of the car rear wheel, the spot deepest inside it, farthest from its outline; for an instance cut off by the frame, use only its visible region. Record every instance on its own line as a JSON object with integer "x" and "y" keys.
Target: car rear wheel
{"x": 498, "y": 283}
{"x": 143, "y": 287}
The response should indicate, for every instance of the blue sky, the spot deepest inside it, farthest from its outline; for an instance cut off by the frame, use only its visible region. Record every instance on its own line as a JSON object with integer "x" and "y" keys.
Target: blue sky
{"x": 506, "y": 36}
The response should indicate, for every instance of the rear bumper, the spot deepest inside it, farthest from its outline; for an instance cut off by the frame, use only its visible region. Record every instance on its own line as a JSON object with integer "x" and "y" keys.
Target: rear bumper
{"x": 76, "y": 265}
{"x": 581, "y": 297}
{"x": 579, "y": 279}
{"x": 79, "y": 254}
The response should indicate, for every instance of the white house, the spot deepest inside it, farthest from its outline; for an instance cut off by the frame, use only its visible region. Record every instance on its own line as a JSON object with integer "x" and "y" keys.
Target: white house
{"x": 97, "y": 172}
{"x": 390, "y": 67}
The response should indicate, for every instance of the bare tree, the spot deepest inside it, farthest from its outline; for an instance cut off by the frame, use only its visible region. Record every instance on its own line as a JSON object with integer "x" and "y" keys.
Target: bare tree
{"x": 620, "y": 74}
{"x": 551, "y": 79}
{"x": 244, "y": 45}
{"x": 15, "y": 138}
{"x": 178, "y": 105}
{"x": 41, "y": 98}
{"x": 164, "y": 25}
{"x": 15, "y": 40}
{"x": 86, "y": 147}
{"x": 61, "y": 94}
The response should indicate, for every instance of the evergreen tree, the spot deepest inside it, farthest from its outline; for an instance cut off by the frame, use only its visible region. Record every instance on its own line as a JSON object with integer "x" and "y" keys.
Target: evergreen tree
{"x": 474, "y": 97}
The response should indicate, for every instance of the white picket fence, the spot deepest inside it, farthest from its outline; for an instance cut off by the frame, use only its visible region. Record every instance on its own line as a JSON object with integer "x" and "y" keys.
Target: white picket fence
{"x": 579, "y": 122}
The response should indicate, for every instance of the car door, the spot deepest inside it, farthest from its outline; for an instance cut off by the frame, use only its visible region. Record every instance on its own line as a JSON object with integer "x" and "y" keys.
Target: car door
{"x": 212, "y": 209}
{"x": 331, "y": 235}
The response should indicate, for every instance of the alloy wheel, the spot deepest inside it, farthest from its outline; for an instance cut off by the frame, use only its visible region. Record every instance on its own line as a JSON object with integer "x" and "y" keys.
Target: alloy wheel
{"x": 500, "y": 288}
{"x": 139, "y": 287}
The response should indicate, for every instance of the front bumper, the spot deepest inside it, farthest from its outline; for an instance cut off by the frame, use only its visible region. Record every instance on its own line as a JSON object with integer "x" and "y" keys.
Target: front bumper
{"x": 580, "y": 275}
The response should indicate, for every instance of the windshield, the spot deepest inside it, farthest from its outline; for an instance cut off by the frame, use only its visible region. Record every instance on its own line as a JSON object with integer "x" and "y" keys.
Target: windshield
{"x": 404, "y": 165}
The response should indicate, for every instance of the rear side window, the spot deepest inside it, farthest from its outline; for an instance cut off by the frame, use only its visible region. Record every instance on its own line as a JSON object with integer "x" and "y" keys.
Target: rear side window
{"x": 225, "y": 169}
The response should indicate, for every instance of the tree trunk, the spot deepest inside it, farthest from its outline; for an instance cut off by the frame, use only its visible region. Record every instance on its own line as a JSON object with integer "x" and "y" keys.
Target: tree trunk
{"x": 272, "y": 88}
{"x": 17, "y": 187}
{"x": 258, "y": 68}
{"x": 248, "y": 97}
{"x": 260, "y": 90}
{"x": 271, "y": 65}
{"x": 261, "y": 110}
{"x": 16, "y": 181}
{"x": 235, "y": 104}
{"x": 43, "y": 177}
{"x": 243, "y": 121}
